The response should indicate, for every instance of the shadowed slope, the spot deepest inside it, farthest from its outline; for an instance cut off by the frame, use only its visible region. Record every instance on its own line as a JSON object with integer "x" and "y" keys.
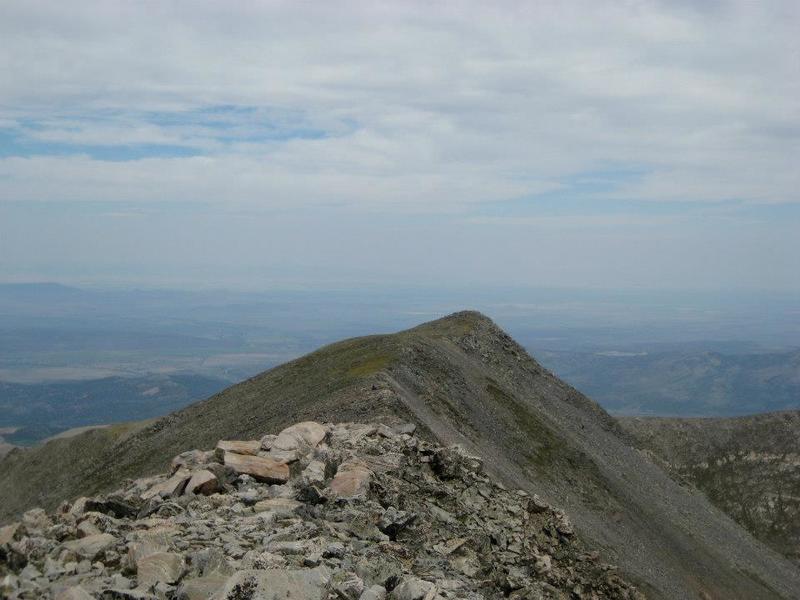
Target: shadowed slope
{"x": 462, "y": 380}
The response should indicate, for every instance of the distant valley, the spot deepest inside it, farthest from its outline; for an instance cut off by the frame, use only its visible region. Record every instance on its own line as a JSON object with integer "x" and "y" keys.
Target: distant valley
{"x": 682, "y": 381}
{"x": 32, "y": 412}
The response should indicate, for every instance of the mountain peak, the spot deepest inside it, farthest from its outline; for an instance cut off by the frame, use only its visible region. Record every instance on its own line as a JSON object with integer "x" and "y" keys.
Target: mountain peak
{"x": 461, "y": 380}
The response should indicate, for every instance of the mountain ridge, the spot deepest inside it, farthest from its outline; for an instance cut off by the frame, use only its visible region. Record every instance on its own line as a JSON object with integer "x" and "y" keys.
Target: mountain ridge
{"x": 461, "y": 380}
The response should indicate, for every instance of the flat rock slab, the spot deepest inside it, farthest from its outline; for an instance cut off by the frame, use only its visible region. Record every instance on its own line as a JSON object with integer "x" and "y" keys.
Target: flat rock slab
{"x": 247, "y": 447}
{"x": 280, "y": 506}
{"x": 277, "y": 584}
{"x": 261, "y": 468}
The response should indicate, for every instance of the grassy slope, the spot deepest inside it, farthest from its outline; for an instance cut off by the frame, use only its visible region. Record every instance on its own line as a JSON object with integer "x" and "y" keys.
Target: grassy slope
{"x": 463, "y": 380}
{"x": 747, "y": 466}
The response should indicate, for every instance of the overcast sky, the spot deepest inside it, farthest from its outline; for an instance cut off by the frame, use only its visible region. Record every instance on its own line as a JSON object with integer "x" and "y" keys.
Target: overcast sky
{"x": 255, "y": 144}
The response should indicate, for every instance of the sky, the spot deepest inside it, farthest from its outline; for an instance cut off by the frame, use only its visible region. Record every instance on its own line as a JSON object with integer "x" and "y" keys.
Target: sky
{"x": 624, "y": 144}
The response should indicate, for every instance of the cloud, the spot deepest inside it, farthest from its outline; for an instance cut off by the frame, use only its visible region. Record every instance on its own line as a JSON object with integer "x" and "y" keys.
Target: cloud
{"x": 402, "y": 106}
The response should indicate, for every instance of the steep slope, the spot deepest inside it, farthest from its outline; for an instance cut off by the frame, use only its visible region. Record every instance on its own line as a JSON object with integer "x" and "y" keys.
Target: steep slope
{"x": 462, "y": 380}
{"x": 747, "y": 466}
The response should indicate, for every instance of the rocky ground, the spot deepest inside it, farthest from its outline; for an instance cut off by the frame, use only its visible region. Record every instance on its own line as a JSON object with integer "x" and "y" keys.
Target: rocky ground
{"x": 344, "y": 511}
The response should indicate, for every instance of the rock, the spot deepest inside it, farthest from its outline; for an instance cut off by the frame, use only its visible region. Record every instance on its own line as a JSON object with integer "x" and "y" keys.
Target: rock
{"x": 192, "y": 459}
{"x": 9, "y": 533}
{"x": 334, "y": 550}
{"x": 306, "y": 435}
{"x": 276, "y": 584}
{"x": 399, "y": 514}
{"x": 351, "y": 480}
{"x": 393, "y": 521}
{"x": 203, "y": 482}
{"x": 152, "y": 541}
{"x": 115, "y": 507}
{"x": 411, "y": 588}
{"x": 375, "y": 592}
{"x": 164, "y": 567}
{"x": 448, "y": 463}
{"x": 173, "y": 486}
{"x": 405, "y": 428}
{"x": 266, "y": 441}
{"x": 543, "y": 564}
{"x": 201, "y": 588}
{"x": 74, "y": 593}
{"x": 450, "y": 546}
{"x": 87, "y": 528}
{"x": 91, "y": 546}
{"x": 261, "y": 468}
{"x": 8, "y": 585}
{"x": 79, "y": 506}
{"x": 280, "y": 506}
{"x": 282, "y": 456}
{"x": 347, "y": 586}
{"x": 249, "y": 448}
{"x": 36, "y": 520}
{"x": 112, "y": 593}
{"x": 209, "y": 561}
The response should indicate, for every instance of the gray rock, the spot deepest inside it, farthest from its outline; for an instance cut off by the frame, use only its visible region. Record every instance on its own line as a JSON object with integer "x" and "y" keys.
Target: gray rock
{"x": 164, "y": 567}
{"x": 411, "y": 588}
{"x": 308, "y": 584}
{"x": 91, "y": 546}
{"x": 74, "y": 593}
{"x": 375, "y": 592}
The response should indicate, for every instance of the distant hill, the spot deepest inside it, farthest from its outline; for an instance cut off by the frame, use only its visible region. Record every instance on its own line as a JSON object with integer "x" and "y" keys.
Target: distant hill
{"x": 683, "y": 383}
{"x": 461, "y": 380}
{"x": 747, "y": 466}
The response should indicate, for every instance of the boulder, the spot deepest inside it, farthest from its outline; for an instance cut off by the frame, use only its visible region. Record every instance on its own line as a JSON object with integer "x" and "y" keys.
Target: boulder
{"x": 351, "y": 480}
{"x": 305, "y": 435}
{"x": 260, "y": 468}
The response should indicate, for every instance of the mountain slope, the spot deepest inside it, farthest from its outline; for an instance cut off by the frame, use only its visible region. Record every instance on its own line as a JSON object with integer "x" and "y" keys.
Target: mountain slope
{"x": 462, "y": 380}
{"x": 747, "y": 466}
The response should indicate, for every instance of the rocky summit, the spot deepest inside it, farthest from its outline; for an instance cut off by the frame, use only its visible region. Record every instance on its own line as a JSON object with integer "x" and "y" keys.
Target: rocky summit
{"x": 318, "y": 511}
